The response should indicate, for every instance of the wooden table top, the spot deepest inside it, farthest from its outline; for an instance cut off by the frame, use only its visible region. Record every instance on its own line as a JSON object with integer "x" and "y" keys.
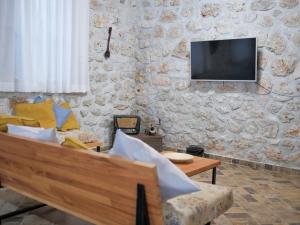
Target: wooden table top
{"x": 93, "y": 145}
{"x": 198, "y": 165}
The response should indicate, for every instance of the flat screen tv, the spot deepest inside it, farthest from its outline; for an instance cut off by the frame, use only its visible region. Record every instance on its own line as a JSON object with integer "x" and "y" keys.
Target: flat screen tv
{"x": 224, "y": 60}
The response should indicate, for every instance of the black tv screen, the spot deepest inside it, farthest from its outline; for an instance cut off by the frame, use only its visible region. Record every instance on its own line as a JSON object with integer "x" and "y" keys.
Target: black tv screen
{"x": 224, "y": 60}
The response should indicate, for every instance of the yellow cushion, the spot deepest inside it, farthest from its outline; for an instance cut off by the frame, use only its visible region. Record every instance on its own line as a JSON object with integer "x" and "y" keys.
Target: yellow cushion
{"x": 71, "y": 123}
{"x": 42, "y": 112}
{"x": 30, "y": 122}
{"x": 16, "y": 120}
{"x": 74, "y": 143}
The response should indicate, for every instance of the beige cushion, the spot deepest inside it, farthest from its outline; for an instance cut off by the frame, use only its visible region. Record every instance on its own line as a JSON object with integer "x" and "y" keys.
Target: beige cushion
{"x": 199, "y": 207}
{"x": 83, "y": 136}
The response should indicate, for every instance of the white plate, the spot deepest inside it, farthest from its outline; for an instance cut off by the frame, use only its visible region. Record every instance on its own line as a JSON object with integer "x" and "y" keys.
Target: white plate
{"x": 178, "y": 157}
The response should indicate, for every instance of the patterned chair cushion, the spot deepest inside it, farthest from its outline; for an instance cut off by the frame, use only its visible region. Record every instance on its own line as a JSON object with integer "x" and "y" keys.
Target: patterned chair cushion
{"x": 198, "y": 208}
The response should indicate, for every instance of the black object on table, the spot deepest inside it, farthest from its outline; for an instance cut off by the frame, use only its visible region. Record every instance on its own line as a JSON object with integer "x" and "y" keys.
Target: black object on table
{"x": 195, "y": 150}
{"x": 129, "y": 124}
{"x": 98, "y": 149}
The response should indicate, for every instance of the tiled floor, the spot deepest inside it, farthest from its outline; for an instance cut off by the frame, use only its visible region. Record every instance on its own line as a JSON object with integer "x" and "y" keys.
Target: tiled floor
{"x": 261, "y": 198}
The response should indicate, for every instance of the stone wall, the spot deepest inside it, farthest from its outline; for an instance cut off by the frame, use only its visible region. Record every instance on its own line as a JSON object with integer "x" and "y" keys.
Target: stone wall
{"x": 239, "y": 120}
{"x": 149, "y": 74}
{"x": 111, "y": 81}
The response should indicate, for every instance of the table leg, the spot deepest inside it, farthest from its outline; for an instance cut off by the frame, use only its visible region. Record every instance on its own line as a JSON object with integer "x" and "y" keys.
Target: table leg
{"x": 214, "y": 175}
{"x": 20, "y": 211}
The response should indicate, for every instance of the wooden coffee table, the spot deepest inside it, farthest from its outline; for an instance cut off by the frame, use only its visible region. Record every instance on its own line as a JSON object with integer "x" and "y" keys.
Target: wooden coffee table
{"x": 200, "y": 165}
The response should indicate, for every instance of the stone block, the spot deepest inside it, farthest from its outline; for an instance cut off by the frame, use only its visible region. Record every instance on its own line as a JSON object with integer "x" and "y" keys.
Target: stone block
{"x": 273, "y": 154}
{"x": 210, "y": 9}
{"x": 277, "y": 44}
{"x": 283, "y": 67}
{"x": 168, "y": 16}
{"x": 161, "y": 81}
{"x": 181, "y": 50}
{"x": 262, "y": 5}
{"x": 288, "y": 3}
{"x": 251, "y": 127}
{"x": 292, "y": 19}
{"x": 293, "y": 132}
{"x": 269, "y": 129}
{"x": 187, "y": 12}
{"x": 266, "y": 21}
{"x": 236, "y": 5}
{"x": 296, "y": 38}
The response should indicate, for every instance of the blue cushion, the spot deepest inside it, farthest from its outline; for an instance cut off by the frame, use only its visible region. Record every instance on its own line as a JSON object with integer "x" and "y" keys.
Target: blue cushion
{"x": 39, "y": 99}
{"x": 61, "y": 115}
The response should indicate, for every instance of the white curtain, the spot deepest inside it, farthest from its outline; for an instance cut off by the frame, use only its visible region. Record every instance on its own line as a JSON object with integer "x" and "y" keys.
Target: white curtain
{"x": 44, "y": 45}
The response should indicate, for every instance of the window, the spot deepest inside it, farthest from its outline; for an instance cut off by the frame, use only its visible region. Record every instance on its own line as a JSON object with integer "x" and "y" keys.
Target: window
{"x": 44, "y": 45}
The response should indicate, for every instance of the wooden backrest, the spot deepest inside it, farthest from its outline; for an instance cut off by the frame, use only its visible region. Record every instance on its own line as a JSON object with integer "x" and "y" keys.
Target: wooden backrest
{"x": 93, "y": 186}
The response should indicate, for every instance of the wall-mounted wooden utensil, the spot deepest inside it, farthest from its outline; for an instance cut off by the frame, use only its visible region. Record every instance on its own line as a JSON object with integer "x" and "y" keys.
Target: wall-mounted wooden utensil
{"x": 107, "y": 52}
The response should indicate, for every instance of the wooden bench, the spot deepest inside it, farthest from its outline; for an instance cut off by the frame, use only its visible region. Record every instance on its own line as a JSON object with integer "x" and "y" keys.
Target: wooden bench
{"x": 93, "y": 186}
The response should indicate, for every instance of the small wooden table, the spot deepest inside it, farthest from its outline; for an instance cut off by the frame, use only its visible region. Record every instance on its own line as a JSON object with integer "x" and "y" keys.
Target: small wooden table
{"x": 155, "y": 141}
{"x": 200, "y": 165}
{"x": 94, "y": 145}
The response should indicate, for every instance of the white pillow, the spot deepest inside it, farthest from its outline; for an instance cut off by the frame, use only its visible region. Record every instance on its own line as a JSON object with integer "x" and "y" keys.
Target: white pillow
{"x": 38, "y": 133}
{"x": 172, "y": 181}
